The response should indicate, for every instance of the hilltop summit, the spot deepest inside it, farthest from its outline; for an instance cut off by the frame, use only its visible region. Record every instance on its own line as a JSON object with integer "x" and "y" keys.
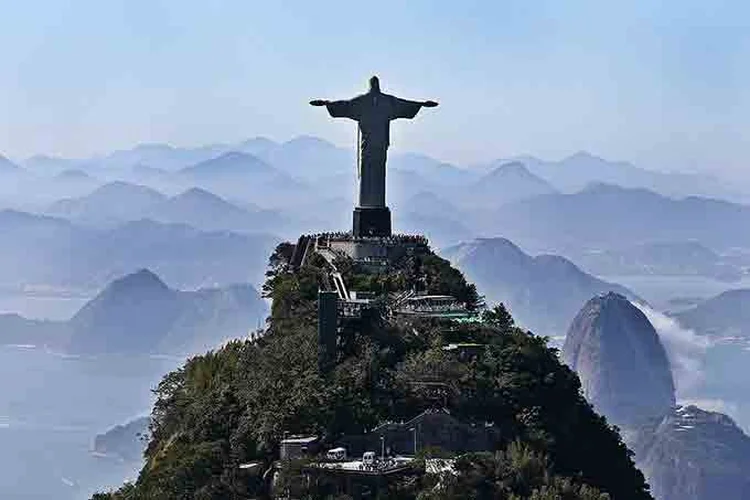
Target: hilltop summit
{"x": 620, "y": 360}
{"x": 411, "y": 343}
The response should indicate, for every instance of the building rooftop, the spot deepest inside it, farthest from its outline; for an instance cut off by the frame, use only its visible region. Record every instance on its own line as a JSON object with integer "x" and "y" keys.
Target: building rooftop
{"x": 453, "y": 347}
{"x": 300, "y": 440}
{"x": 431, "y": 297}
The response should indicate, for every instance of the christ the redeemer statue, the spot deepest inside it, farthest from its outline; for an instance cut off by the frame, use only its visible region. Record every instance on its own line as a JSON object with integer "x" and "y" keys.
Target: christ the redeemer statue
{"x": 373, "y": 112}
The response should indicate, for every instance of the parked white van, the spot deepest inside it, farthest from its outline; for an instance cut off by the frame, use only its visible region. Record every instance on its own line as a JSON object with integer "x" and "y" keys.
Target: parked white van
{"x": 368, "y": 458}
{"x": 338, "y": 454}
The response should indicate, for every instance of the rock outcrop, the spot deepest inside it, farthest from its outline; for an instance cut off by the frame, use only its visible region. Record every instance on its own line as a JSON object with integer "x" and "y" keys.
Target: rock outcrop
{"x": 693, "y": 454}
{"x": 124, "y": 442}
{"x": 686, "y": 453}
{"x": 622, "y": 365}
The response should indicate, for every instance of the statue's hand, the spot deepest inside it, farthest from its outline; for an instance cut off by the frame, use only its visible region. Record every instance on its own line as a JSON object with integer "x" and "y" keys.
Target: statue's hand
{"x": 429, "y": 104}
{"x": 318, "y": 102}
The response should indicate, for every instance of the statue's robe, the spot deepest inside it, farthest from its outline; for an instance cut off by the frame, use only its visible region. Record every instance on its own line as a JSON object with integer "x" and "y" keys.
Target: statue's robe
{"x": 373, "y": 112}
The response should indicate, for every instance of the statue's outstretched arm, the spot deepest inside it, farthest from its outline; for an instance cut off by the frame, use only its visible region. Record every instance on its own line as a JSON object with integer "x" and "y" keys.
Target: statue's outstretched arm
{"x": 339, "y": 109}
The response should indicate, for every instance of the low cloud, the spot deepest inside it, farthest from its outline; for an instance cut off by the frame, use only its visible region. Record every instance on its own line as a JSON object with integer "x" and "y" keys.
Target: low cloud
{"x": 685, "y": 349}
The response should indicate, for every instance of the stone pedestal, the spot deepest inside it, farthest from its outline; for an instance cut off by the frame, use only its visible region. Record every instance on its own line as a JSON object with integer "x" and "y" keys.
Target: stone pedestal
{"x": 372, "y": 221}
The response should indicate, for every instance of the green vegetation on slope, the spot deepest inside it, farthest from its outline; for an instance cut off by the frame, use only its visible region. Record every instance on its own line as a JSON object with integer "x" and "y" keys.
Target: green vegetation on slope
{"x": 235, "y": 405}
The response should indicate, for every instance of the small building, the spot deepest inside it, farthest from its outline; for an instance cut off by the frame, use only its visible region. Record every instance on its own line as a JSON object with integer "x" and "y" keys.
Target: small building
{"x": 337, "y": 454}
{"x": 297, "y": 447}
{"x": 465, "y": 351}
{"x": 432, "y": 306}
{"x": 430, "y": 429}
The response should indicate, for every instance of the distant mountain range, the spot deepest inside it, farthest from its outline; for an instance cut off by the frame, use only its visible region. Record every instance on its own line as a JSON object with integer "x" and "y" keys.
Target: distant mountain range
{"x": 308, "y": 158}
{"x": 726, "y": 315}
{"x": 119, "y": 202}
{"x": 665, "y": 258}
{"x": 565, "y": 208}
{"x": 575, "y": 172}
{"x": 507, "y": 183}
{"x": 231, "y": 166}
{"x": 543, "y": 293}
{"x": 605, "y": 216}
{"x": 47, "y": 251}
{"x": 111, "y": 203}
{"x": 140, "y": 314}
{"x": 8, "y": 167}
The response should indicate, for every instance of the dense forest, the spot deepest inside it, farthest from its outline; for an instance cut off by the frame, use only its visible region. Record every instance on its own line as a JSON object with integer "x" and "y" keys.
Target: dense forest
{"x": 236, "y": 404}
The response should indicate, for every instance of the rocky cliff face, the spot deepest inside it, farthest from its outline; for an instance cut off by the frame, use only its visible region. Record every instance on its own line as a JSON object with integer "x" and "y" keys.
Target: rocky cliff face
{"x": 124, "y": 442}
{"x": 693, "y": 454}
{"x": 686, "y": 453}
{"x": 622, "y": 365}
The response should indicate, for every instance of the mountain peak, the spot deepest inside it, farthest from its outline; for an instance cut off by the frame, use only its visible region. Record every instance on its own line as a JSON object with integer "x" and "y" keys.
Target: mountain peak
{"x": 620, "y": 360}
{"x": 582, "y": 156}
{"x": 73, "y": 174}
{"x": 8, "y": 166}
{"x": 196, "y": 192}
{"x": 515, "y": 168}
{"x": 153, "y": 147}
{"x": 203, "y": 197}
{"x": 309, "y": 140}
{"x": 124, "y": 186}
{"x": 140, "y": 280}
{"x": 234, "y": 155}
{"x": 229, "y": 163}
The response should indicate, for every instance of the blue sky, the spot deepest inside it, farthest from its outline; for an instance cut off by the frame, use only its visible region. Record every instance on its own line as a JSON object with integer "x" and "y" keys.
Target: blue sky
{"x": 663, "y": 84}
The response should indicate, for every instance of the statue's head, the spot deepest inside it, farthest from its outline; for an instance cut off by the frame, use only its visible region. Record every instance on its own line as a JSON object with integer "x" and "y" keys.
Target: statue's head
{"x": 374, "y": 84}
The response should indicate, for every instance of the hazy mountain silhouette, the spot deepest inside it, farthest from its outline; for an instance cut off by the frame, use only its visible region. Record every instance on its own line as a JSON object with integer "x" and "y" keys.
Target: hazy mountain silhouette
{"x": 163, "y": 156}
{"x": 438, "y": 172}
{"x": 261, "y": 147}
{"x": 149, "y": 173}
{"x": 576, "y": 171}
{"x": 41, "y": 250}
{"x": 15, "y": 329}
{"x": 114, "y": 202}
{"x": 120, "y": 202}
{"x": 51, "y": 165}
{"x": 7, "y": 167}
{"x": 74, "y": 174}
{"x": 507, "y": 183}
{"x": 429, "y": 203}
{"x": 205, "y": 210}
{"x": 139, "y": 313}
{"x": 308, "y": 157}
{"x": 232, "y": 165}
{"x": 244, "y": 176}
{"x": 727, "y": 314}
{"x": 678, "y": 258}
{"x": 543, "y": 293}
{"x": 605, "y": 216}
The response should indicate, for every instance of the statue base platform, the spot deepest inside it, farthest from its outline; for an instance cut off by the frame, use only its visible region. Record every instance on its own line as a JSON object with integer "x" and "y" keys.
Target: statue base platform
{"x": 372, "y": 222}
